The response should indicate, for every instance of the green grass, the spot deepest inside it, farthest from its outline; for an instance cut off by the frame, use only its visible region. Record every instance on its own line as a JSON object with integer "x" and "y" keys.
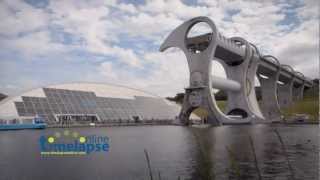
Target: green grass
{"x": 308, "y": 106}
{"x": 205, "y": 164}
{"x": 203, "y": 113}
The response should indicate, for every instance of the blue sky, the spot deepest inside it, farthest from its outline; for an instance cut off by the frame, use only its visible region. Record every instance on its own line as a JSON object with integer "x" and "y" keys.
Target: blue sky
{"x": 49, "y": 42}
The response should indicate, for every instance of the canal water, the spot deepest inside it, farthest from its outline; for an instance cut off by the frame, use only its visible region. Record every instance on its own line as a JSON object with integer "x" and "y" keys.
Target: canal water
{"x": 187, "y": 152}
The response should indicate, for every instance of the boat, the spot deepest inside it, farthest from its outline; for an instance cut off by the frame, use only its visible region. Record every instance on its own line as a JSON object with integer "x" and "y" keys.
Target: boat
{"x": 36, "y": 123}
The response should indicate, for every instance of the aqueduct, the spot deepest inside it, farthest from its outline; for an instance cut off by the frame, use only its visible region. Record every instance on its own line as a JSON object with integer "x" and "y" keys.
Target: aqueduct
{"x": 242, "y": 61}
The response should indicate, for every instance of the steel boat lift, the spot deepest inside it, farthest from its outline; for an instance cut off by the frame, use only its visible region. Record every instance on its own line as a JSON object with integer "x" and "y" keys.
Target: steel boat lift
{"x": 242, "y": 61}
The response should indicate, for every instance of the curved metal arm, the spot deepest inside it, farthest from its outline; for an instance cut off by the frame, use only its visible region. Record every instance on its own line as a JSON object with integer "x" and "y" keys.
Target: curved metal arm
{"x": 256, "y": 49}
{"x": 300, "y": 74}
{"x": 287, "y": 67}
{"x": 269, "y": 57}
{"x": 240, "y": 42}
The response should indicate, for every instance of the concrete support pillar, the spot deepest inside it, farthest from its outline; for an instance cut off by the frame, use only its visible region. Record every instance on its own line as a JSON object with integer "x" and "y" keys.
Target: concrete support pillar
{"x": 186, "y": 110}
{"x": 244, "y": 101}
{"x": 297, "y": 92}
{"x": 285, "y": 94}
{"x": 269, "y": 102}
{"x": 192, "y": 100}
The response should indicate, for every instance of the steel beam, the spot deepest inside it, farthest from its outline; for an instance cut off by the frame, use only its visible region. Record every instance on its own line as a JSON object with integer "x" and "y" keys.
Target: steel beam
{"x": 231, "y": 55}
{"x": 225, "y": 84}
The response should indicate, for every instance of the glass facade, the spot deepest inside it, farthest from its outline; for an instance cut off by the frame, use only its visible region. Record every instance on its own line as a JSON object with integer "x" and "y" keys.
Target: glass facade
{"x": 72, "y": 102}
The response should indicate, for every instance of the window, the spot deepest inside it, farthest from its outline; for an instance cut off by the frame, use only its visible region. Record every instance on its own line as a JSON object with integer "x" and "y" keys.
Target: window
{"x": 30, "y": 111}
{"x": 19, "y": 104}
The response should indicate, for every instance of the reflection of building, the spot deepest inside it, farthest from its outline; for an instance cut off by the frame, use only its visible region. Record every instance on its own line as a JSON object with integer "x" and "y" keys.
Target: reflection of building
{"x": 87, "y": 102}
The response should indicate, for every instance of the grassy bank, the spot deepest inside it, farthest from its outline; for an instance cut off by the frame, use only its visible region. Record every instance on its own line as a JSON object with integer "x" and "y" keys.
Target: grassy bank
{"x": 203, "y": 113}
{"x": 308, "y": 106}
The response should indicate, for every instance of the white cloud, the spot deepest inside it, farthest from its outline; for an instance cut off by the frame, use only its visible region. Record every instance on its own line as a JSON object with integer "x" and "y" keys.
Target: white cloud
{"x": 130, "y": 8}
{"x": 18, "y": 17}
{"x": 34, "y": 44}
{"x": 100, "y": 27}
{"x": 169, "y": 76}
{"x": 95, "y": 27}
{"x": 108, "y": 71}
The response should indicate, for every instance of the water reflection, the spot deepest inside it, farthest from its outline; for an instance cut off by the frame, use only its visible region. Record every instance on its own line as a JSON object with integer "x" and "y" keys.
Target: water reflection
{"x": 186, "y": 152}
{"x": 233, "y": 155}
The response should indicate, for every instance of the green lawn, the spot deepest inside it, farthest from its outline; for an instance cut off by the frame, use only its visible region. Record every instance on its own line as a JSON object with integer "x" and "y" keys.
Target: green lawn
{"x": 203, "y": 113}
{"x": 308, "y": 106}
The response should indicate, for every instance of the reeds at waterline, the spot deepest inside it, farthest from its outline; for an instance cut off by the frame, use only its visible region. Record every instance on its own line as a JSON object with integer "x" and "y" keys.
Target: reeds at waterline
{"x": 149, "y": 164}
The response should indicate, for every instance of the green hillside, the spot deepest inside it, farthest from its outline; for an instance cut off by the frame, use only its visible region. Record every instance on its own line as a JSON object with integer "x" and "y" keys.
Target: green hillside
{"x": 309, "y": 105}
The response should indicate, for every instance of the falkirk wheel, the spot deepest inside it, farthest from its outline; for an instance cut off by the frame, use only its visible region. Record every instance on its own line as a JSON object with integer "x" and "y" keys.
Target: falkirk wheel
{"x": 280, "y": 84}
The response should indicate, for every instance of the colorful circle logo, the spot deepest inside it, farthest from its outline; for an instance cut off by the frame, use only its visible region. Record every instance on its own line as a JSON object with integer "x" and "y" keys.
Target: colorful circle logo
{"x": 82, "y": 139}
{"x": 50, "y": 139}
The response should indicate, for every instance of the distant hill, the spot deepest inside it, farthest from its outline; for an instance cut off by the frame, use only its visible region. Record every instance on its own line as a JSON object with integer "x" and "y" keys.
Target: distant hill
{"x": 2, "y": 96}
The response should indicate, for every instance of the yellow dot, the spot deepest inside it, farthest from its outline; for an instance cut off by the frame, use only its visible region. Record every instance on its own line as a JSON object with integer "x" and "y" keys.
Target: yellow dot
{"x": 50, "y": 139}
{"x": 82, "y": 139}
{"x": 66, "y": 133}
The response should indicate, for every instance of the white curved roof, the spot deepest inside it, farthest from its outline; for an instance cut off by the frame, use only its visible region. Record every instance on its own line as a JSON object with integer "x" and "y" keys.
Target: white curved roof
{"x": 8, "y": 110}
{"x": 100, "y": 89}
{"x": 104, "y": 90}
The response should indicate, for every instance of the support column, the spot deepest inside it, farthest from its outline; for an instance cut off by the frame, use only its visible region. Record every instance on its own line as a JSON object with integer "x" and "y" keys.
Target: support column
{"x": 269, "y": 102}
{"x": 285, "y": 94}
{"x": 186, "y": 110}
{"x": 297, "y": 92}
{"x": 192, "y": 100}
{"x": 243, "y": 102}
